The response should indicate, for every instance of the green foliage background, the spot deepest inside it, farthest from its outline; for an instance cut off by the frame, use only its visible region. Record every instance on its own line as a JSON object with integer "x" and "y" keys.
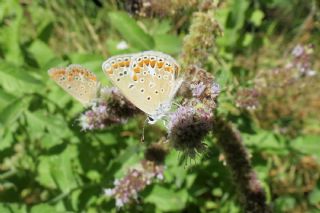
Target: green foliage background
{"x": 47, "y": 164}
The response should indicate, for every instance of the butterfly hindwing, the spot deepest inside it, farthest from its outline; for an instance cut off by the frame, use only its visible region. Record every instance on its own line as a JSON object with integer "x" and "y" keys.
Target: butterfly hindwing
{"x": 78, "y": 81}
{"x": 148, "y": 81}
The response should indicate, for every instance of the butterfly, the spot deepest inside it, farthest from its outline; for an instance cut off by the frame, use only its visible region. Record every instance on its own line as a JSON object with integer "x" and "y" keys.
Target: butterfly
{"x": 78, "y": 81}
{"x": 147, "y": 79}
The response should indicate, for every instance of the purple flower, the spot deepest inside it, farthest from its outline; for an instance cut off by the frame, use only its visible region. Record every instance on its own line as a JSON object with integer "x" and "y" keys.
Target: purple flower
{"x": 197, "y": 89}
{"x": 111, "y": 108}
{"x": 215, "y": 89}
{"x": 126, "y": 189}
{"x": 187, "y": 128}
{"x": 298, "y": 50}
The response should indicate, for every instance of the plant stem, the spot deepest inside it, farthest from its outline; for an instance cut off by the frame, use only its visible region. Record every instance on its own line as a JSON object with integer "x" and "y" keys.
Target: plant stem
{"x": 251, "y": 194}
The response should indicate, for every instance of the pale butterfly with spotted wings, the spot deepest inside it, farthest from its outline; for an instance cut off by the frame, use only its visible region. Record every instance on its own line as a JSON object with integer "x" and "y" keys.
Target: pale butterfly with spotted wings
{"x": 78, "y": 81}
{"x": 147, "y": 79}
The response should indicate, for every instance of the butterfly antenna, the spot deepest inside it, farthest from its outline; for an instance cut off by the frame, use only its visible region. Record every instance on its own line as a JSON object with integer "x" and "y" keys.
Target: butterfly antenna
{"x": 144, "y": 125}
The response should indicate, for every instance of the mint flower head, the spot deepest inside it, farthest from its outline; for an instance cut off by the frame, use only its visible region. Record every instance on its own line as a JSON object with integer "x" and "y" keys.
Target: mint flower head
{"x": 191, "y": 122}
{"x": 125, "y": 190}
{"x": 111, "y": 108}
{"x": 187, "y": 128}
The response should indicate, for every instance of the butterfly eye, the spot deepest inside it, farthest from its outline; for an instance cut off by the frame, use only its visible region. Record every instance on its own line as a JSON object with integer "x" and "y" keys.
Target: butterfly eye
{"x": 150, "y": 119}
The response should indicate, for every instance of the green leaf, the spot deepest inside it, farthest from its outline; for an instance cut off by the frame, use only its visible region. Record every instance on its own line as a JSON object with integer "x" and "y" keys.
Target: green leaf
{"x": 308, "y": 144}
{"x": 56, "y": 171}
{"x": 265, "y": 140}
{"x": 168, "y": 43}
{"x": 13, "y": 111}
{"x": 5, "y": 98}
{"x": 41, "y": 52}
{"x": 43, "y": 208}
{"x": 248, "y": 38}
{"x": 14, "y": 74}
{"x": 238, "y": 14}
{"x": 257, "y": 17}
{"x": 285, "y": 203}
{"x": 166, "y": 199}
{"x": 44, "y": 176}
{"x": 6, "y": 139}
{"x": 12, "y": 208}
{"x": 62, "y": 170}
{"x": 10, "y": 33}
{"x": 36, "y": 124}
{"x": 18, "y": 73}
{"x": 314, "y": 197}
{"x": 131, "y": 31}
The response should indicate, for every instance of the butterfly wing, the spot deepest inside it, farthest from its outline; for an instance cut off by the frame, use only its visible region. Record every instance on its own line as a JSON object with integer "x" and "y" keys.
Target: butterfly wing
{"x": 78, "y": 81}
{"x": 147, "y": 82}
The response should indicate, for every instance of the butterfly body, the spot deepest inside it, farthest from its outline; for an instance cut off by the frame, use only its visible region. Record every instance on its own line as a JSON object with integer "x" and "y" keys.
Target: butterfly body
{"x": 148, "y": 79}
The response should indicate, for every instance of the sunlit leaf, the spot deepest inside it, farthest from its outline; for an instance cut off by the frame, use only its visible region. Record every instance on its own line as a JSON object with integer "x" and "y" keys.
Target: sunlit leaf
{"x": 167, "y": 200}
{"x": 169, "y": 44}
{"x": 41, "y": 52}
{"x": 130, "y": 30}
{"x": 13, "y": 111}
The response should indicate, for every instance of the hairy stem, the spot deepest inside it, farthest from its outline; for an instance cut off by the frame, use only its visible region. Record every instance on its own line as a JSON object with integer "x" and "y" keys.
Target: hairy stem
{"x": 252, "y": 196}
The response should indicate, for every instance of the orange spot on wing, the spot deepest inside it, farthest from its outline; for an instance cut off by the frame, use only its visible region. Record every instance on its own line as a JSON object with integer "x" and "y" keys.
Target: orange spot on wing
{"x": 122, "y": 64}
{"x": 140, "y": 64}
{"x": 127, "y": 63}
{"x": 160, "y": 64}
{"x": 115, "y": 65}
{"x": 168, "y": 69}
{"x": 57, "y": 73}
{"x": 135, "y": 77}
{"x": 92, "y": 77}
{"x": 152, "y": 63}
{"x": 137, "y": 69}
{"x": 110, "y": 71}
{"x": 146, "y": 62}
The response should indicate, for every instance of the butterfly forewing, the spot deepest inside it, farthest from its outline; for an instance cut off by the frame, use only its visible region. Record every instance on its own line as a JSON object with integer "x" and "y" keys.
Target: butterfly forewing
{"x": 78, "y": 81}
{"x": 149, "y": 80}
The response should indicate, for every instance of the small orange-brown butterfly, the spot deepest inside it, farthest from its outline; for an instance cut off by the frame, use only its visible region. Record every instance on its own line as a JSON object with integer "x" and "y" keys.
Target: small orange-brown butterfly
{"x": 147, "y": 79}
{"x": 78, "y": 81}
